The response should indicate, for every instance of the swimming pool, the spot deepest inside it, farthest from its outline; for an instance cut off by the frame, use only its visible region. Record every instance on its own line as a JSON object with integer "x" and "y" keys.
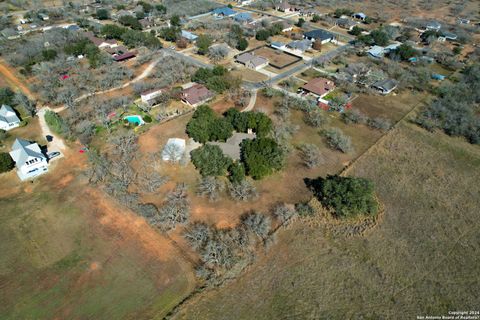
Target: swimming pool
{"x": 137, "y": 120}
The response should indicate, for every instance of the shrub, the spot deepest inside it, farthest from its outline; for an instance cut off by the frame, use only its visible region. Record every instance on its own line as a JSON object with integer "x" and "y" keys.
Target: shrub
{"x": 283, "y": 213}
{"x": 236, "y": 172}
{"x": 261, "y": 156}
{"x": 243, "y": 191}
{"x": 346, "y": 196}
{"x": 257, "y": 223}
{"x": 336, "y": 139}
{"x": 242, "y": 44}
{"x": 315, "y": 118}
{"x": 102, "y": 14}
{"x": 6, "y": 162}
{"x": 310, "y": 155}
{"x": 210, "y": 187}
{"x": 354, "y": 116}
{"x": 203, "y": 43}
{"x": 262, "y": 35}
{"x": 304, "y": 209}
{"x": 379, "y": 123}
{"x": 6, "y": 96}
{"x": 147, "y": 119}
{"x": 56, "y": 123}
{"x": 210, "y": 160}
{"x": 131, "y": 22}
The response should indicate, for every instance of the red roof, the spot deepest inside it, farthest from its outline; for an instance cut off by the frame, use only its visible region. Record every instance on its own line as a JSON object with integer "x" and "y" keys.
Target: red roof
{"x": 319, "y": 86}
{"x": 196, "y": 94}
{"x": 124, "y": 56}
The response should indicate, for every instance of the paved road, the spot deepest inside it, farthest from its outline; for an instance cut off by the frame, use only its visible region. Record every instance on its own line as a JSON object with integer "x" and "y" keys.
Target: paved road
{"x": 307, "y": 26}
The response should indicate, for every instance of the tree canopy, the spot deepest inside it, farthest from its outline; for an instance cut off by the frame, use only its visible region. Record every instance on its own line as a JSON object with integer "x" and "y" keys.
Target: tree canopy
{"x": 210, "y": 160}
{"x": 259, "y": 122}
{"x": 6, "y": 162}
{"x": 346, "y": 196}
{"x": 206, "y": 125}
{"x": 261, "y": 156}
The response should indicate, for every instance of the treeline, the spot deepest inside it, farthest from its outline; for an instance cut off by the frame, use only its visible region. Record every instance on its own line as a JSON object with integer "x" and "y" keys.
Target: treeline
{"x": 131, "y": 38}
{"x": 455, "y": 111}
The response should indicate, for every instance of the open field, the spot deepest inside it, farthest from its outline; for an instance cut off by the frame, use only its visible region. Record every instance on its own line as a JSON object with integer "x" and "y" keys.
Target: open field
{"x": 276, "y": 58}
{"x": 421, "y": 259}
{"x": 249, "y": 75}
{"x": 69, "y": 252}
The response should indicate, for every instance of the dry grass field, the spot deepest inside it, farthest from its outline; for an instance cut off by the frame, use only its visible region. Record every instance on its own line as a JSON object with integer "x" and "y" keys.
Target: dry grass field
{"x": 69, "y": 252}
{"x": 276, "y": 58}
{"x": 422, "y": 259}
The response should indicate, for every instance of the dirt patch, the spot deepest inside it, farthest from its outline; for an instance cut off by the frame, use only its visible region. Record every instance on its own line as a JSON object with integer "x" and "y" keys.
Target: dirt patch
{"x": 10, "y": 76}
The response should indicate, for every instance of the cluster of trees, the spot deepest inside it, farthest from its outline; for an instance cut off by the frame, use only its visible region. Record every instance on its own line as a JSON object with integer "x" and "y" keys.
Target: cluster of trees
{"x": 455, "y": 110}
{"x": 17, "y": 100}
{"x": 131, "y": 38}
{"x": 56, "y": 123}
{"x": 206, "y": 125}
{"x": 217, "y": 79}
{"x": 259, "y": 157}
{"x": 130, "y": 21}
{"x": 273, "y": 30}
{"x": 357, "y": 117}
{"x": 346, "y": 196}
{"x": 377, "y": 37}
{"x": 224, "y": 250}
{"x": 236, "y": 38}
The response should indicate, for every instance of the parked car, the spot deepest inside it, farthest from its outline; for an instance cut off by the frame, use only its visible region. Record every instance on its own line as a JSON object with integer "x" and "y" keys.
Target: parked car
{"x": 52, "y": 155}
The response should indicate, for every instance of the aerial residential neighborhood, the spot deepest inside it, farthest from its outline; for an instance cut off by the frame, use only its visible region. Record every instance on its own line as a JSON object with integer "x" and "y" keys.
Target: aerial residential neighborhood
{"x": 245, "y": 159}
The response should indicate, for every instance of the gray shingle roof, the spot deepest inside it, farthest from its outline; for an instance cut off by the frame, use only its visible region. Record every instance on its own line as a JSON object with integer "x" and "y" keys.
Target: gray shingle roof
{"x": 22, "y": 150}
{"x": 8, "y": 115}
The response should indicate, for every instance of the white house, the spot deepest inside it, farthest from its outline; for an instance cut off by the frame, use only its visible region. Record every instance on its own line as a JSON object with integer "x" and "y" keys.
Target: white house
{"x": 8, "y": 118}
{"x": 150, "y": 94}
{"x": 29, "y": 159}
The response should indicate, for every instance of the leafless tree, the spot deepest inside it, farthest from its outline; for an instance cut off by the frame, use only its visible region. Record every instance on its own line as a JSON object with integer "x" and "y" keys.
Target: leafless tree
{"x": 176, "y": 209}
{"x": 243, "y": 191}
{"x": 210, "y": 187}
{"x": 310, "y": 155}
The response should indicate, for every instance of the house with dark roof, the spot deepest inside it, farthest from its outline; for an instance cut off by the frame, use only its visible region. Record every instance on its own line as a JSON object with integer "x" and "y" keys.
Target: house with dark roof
{"x": 243, "y": 17}
{"x": 124, "y": 56}
{"x": 360, "y": 16}
{"x": 196, "y": 95}
{"x": 8, "y": 118}
{"x": 433, "y": 25}
{"x": 319, "y": 34}
{"x": 385, "y": 86}
{"x": 345, "y": 23}
{"x": 148, "y": 95}
{"x": 319, "y": 87}
{"x": 29, "y": 159}
{"x": 252, "y": 61}
{"x": 224, "y": 12}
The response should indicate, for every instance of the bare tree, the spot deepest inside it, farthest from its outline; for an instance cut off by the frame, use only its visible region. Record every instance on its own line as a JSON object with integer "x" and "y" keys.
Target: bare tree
{"x": 210, "y": 187}
{"x": 310, "y": 155}
{"x": 284, "y": 213}
{"x": 257, "y": 223}
{"x": 176, "y": 209}
{"x": 243, "y": 191}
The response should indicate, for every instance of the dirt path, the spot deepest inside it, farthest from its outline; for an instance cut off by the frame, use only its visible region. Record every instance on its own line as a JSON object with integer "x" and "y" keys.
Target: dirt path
{"x": 10, "y": 76}
{"x": 57, "y": 144}
{"x": 148, "y": 70}
{"x": 251, "y": 104}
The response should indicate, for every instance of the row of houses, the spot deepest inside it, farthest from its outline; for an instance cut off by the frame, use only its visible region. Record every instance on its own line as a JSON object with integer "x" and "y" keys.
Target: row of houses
{"x": 240, "y": 17}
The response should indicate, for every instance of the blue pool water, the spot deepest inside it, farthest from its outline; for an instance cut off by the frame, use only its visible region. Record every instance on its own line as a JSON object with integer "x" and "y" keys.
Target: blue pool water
{"x": 137, "y": 120}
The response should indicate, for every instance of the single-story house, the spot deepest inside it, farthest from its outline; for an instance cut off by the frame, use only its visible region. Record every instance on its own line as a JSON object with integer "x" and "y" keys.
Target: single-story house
{"x": 100, "y": 43}
{"x": 189, "y": 36}
{"x": 196, "y": 94}
{"x": 116, "y": 50}
{"x": 299, "y": 46}
{"x": 448, "y": 36}
{"x": 8, "y": 118}
{"x": 319, "y": 34}
{"x": 433, "y": 25}
{"x": 150, "y": 94}
{"x": 376, "y": 52}
{"x": 277, "y": 45}
{"x": 319, "y": 87}
{"x": 385, "y": 86}
{"x": 231, "y": 147}
{"x": 360, "y": 16}
{"x": 308, "y": 12}
{"x": 284, "y": 6}
{"x": 29, "y": 159}
{"x": 345, "y": 23}
{"x": 252, "y": 61}
{"x": 174, "y": 150}
{"x": 243, "y": 17}
{"x": 124, "y": 56}
{"x": 286, "y": 27}
{"x": 224, "y": 12}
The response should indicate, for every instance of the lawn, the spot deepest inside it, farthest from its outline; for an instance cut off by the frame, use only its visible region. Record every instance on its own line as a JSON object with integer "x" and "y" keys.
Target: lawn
{"x": 421, "y": 259}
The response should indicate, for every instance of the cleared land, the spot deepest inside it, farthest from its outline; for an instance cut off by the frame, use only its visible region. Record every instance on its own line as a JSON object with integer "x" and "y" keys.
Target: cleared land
{"x": 69, "y": 252}
{"x": 276, "y": 58}
{"x": 421, "y": 259}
